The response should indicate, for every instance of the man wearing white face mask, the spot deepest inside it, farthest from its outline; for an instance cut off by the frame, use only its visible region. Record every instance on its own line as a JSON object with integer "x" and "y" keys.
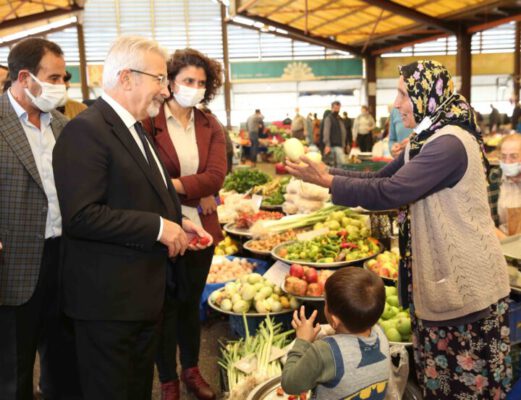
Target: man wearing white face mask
{"x": 31, "y": 227}
{"x": 509, "y": 201}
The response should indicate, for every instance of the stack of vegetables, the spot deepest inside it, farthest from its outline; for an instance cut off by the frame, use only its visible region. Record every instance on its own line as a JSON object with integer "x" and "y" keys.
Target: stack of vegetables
{"x": 258, "y": 350}
{"x": 347, "y": 239}
{"x": 272, "y": 192}
{"x": 303, "y": 198}
{"x": 243, "y": 179}
{"x": 224, "y": 270}
{"x": 265, "y": 228}
{"x": 246, "y": 219}
{"x": 252, "y": 293}
{"x": 226, "y": 247}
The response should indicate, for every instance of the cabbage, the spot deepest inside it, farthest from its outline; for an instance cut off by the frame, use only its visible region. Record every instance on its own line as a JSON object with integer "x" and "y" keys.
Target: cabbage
{"x": 293, "y": 149}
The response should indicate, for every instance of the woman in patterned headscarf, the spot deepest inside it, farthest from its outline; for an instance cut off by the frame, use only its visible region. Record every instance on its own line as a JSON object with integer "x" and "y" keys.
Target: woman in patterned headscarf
{"x": 452, "y": 272}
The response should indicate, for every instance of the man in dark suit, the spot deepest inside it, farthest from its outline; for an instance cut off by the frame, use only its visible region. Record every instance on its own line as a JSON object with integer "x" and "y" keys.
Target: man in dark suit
{"x": 30, "y": 227}
{"x": 122, "y": 225}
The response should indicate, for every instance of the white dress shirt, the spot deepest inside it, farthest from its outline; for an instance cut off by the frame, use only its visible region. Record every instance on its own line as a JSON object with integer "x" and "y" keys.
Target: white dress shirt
{"x": 42, "y": 143}
{"x": 185, "y": 142}
{"x": 129, "y": 122}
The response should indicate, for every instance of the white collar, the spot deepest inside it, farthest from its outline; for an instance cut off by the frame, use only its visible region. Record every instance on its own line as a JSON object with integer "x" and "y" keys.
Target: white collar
{"x": 127, "y": 118}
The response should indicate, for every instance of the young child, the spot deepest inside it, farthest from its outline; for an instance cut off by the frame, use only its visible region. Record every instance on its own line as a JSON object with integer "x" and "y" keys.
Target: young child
{"x": 354, "y": 362}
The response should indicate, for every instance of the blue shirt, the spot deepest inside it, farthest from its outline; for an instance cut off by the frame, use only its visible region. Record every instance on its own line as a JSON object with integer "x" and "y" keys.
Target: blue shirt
{"x": 42, "y": 143}
{"x": 397, "y": 132}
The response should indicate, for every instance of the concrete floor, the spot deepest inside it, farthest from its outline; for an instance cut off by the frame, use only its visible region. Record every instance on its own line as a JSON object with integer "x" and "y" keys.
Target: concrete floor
{"x": 213, "y": 330}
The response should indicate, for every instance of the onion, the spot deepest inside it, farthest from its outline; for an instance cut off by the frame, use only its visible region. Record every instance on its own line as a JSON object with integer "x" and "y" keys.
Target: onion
{"x": 293, "y": 149}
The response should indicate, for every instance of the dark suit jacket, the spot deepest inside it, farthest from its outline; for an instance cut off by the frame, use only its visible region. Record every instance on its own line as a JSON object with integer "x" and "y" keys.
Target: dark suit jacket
{"x": 114, "y": 268}
{"x": 23, "y": 208}
{"x": 209, "y": 179}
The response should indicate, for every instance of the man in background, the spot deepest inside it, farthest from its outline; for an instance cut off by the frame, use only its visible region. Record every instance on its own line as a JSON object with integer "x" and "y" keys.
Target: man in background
{"x": 335, "y": 135}
{"x": 253, "y": 124}
{"x": 71, "y": 108}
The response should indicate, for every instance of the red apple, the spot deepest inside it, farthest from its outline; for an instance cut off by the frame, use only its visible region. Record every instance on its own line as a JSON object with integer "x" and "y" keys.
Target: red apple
{"x": 311, "y": 275}
{"x": 296, "y": 270}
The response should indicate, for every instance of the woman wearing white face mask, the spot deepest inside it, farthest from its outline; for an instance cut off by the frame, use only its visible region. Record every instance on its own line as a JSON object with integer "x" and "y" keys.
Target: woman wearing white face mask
{"x": 509, "y": 201}
{"x": 192, "y": 146}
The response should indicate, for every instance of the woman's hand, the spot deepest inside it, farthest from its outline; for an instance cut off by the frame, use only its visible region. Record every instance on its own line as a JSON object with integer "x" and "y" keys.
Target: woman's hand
{"x": 208, "y": 204}
{"x": 198, "y": 238}
{"x": 178, "y": 186}
{"x": 304, "y": 328}
{"x": 310, "y": 171}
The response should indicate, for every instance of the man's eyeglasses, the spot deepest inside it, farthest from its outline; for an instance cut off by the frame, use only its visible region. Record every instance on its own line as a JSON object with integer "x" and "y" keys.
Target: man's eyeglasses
{"x": 162, "y": 79}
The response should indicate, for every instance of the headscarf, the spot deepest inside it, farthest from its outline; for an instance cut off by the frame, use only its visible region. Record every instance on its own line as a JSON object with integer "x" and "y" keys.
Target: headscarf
{"x": 431, "y": 90}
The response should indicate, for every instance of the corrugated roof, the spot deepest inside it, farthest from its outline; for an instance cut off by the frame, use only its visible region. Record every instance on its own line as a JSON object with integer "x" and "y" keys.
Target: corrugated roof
{"x": 372, "y": 25}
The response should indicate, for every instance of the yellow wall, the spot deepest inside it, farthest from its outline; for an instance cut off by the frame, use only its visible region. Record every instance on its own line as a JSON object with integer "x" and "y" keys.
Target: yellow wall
{"x": 482, "y": 64}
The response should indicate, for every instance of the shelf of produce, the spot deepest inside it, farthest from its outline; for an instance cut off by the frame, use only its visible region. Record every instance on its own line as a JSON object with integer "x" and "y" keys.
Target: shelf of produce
{"x": 318, "y": 299}
{"x": 232, "y": 229}
{"x": 247, "y": 314}
{"x": 337, "y": 264}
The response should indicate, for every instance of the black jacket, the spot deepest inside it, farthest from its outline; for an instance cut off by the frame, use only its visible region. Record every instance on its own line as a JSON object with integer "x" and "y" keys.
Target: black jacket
{"x": 114, "y": 268}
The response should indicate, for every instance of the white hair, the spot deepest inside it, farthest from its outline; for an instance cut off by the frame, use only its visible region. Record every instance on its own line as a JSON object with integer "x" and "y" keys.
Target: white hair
{"x": 128, "y": 52}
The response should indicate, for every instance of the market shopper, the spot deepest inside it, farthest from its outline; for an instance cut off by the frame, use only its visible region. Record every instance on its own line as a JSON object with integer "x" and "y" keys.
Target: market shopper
{"x": 298, "y": 126}
{"x": 363, "y": 130}
{"x": 398, "y": 134}
{"x": 353, "y": 362}
{"x": 31, "y": 228}
{"x": 335, "y": 135}
{"x": 509, "y": 200}
{"x": 254, "y": 124}
{"x": 192, "y": 146}
{"x": 452, "y": 273}
{"x": 122, "y": 222}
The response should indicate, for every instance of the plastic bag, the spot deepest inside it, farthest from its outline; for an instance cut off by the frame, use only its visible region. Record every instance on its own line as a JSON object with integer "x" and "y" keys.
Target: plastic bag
{"x": 399, "y": 359}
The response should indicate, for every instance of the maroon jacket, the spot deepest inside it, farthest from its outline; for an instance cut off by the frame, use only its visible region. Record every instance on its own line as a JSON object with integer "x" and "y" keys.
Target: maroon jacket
{"x": 212, "y": 162}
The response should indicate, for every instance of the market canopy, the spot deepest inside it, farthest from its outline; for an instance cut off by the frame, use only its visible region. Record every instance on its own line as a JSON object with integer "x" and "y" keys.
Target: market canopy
{"x": 29, "y": 15}
{"x": 375, "y": 26}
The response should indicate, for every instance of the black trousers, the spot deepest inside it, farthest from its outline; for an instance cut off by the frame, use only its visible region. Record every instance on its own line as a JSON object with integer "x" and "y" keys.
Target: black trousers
{"x": 40, "y": 324}
{"x": 180, "y": 324}
{"x": 116, "y": 358}
{"x": 365, "y": 142}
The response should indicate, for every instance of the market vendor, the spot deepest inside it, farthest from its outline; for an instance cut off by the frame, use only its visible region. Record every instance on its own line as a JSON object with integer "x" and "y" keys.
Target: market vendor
{"x": 192, "y": 146}
{"x": 509, "y": 201}
{"x": 452, "y": 274}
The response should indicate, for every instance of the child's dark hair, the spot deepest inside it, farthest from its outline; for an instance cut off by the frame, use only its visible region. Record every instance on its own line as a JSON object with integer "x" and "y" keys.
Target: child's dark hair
{"x": 356, "y": 296}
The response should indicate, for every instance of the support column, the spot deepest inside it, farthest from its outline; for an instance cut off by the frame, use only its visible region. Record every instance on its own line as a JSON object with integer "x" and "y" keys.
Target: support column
{"x": 370, "y": 83}
{"x": 226, "y": 62}
{"x": 517, "y": 60}
{"x": 464, "y": 62}
{"x": 83, "y": 62}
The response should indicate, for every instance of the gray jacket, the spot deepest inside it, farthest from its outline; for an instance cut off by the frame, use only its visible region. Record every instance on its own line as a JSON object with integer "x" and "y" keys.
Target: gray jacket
{"x": 23, "y": 208}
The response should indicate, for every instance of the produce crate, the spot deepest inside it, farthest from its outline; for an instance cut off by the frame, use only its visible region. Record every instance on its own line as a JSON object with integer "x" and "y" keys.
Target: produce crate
{"x": 515, "y": 319}
{"x": 237, "y": 323}
{"x": 262, "y": 267}
{"x": 365, "y": 166}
